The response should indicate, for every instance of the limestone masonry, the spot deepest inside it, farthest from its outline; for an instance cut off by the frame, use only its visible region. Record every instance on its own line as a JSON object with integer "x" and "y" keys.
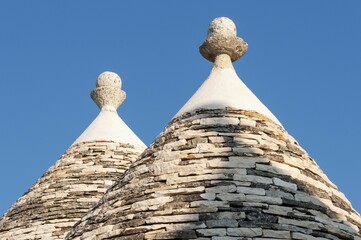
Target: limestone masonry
{"x": 222, "y": 174}
{"x": 224, "y": 168}
{"x": 79, "y": 178}
{"x": 67, "y": 191}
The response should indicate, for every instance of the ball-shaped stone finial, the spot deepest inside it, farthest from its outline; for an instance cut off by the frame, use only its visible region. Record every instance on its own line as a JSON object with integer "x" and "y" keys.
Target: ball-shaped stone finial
{"x": 108, "y": 94}
{"x": 222, "y": 26}
{"x": 222, "y": 39}
{"x": 109, "y": 79}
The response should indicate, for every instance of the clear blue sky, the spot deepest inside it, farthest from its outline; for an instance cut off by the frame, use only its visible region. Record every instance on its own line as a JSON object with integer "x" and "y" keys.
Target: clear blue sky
{"x": 303, "y": 62}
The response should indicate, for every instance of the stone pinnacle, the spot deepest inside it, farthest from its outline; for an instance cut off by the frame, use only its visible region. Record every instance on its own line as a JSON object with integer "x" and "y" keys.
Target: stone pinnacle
{"x": 108, "y": 94}
{"x": 222, "y": 39}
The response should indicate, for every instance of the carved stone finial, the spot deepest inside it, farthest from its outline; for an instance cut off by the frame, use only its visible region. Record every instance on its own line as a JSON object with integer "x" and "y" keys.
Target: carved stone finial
{"x": 222, "y": 39}
{"x": 108, "y": 94}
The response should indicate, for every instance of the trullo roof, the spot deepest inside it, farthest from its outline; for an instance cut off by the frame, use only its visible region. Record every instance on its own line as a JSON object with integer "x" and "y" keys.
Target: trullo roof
{"x": 81, "y": 176}
{"x": 224, "y": 168}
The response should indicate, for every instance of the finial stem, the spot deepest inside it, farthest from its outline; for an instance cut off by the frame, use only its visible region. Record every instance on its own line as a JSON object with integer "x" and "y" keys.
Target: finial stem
{"x": 223, "y": 61}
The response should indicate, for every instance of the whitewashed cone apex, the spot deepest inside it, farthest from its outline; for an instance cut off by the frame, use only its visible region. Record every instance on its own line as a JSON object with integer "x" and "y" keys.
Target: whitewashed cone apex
{"x": 108, "y": 126}
{"x": 223, "y": 88}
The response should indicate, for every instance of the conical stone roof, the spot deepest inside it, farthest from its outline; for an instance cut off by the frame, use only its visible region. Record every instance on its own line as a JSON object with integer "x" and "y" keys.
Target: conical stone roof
{"x": 81, "y": 176}
{"x": 222, "y": 169}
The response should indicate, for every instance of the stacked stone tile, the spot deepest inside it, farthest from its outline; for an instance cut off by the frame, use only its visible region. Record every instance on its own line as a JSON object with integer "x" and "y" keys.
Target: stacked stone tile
{"x": 223, "y": 171}
{"x": 80, "y": 177}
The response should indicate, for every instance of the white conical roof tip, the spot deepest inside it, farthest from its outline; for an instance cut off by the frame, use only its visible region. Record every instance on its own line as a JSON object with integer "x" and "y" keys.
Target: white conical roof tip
{"x": 222, "y": 26}
{"x": 108, "y": 93}
{"x": 223, "y": 88}
{"x": 108, "y": 125}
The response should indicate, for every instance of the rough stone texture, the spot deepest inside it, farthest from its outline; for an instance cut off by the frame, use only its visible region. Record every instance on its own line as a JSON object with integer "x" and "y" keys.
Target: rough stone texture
{"x": 222, "y": 39}
{"x": 222, "y": 179}
{"x": 108, "y": 91}
{"x": 67, "y": 191}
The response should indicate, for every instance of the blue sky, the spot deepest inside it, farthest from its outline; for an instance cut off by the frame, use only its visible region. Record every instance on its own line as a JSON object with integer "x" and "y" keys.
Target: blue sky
{"x": 303, "y": 62}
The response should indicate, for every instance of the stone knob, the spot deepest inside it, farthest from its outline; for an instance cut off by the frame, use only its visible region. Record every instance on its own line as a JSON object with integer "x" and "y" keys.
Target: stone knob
{"x": 222, "y": 39}
{"x": 108, "y": 94}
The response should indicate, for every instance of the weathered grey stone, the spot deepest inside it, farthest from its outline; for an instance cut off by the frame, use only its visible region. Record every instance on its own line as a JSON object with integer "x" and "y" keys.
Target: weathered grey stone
{"x": 208, "y": 196}
{"x": 247, "y": 122}
{"x": 222, "y": 223}
{"x": 209, "y": 204}
{"x": 224, "y": 238}
{"x": 297, "y": 235}
{"x": 212, "y": 232}
{"x": 305, "y": 224}
{"x": 276, "y": 234}
{"x": 252, "y": 191}
{"x": 245, "y": 141}
{"x": 222, "y": 215}
{"x": 152, "y": 204}
{"x": 173, "y": 218}
{"x": 244, "y": 232}
{"x": 222, "y": 189}
{"x": 233, "y": 162}
{"x": 252, "y": 178}
{"x": 180, "y": 234}
{"x": 278, "y": 210}
{"x": 278, "y": 168}
{"x": 173, "y": 145}
{"x": 248, "y": 151}
{"x": 265, "y": 199}
{"x": 279, "y": 194}
{"x": 284, "y": 184}
{"x": 219, "y": 121}
{"x": 231, "y": 197}
{"x": 182, "y": 226}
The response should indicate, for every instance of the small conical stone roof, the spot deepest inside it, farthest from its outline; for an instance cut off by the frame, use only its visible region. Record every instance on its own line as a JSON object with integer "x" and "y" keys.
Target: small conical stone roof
{"x": 223, "y": 88}
{"x": 81, "y": 176}
{"x": 224, "y": 168}
{"x": 108, "y": 125}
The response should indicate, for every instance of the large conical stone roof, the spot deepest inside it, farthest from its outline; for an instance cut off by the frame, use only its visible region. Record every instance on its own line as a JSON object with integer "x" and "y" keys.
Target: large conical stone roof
{"x": 81, "y": 176}
{"x": 224, "y": 168}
